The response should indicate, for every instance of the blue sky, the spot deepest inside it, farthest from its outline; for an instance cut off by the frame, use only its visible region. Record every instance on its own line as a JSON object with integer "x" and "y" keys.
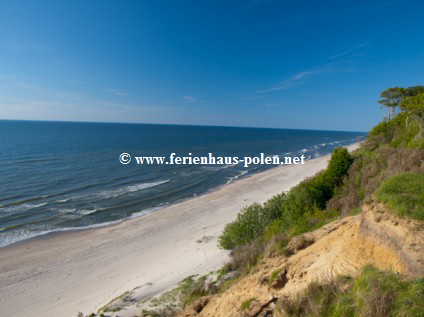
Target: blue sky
{"x": 260, "y": 63}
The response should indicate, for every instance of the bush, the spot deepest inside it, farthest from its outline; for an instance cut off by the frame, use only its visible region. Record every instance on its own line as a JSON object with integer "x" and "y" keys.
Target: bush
{"x": 251, "y": 222}
{"x": 311, "y": 196}
{"x": 285, "y": 212}
{"x": 383, "y": 132}
{"x": 404, "y": 194}
{"x": 373, "y": 293}
{"x": 338, "y": 166}
{"x": 248, "y": 255}
{"x": 369, "y": 169}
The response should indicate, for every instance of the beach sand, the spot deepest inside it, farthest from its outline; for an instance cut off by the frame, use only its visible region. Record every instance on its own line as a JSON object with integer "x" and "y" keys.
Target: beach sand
{"x": 62, "y": 274}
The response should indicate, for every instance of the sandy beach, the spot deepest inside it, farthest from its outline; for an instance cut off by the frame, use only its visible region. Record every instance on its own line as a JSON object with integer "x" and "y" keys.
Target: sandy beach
{"x": 63, "y": 274}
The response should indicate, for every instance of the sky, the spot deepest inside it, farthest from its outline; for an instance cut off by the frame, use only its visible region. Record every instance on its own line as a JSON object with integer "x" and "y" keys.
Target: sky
{"x": 256, "y": 63}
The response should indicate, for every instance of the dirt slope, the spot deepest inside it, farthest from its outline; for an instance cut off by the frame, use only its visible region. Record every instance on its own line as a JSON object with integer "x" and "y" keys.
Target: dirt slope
{"x": 375, "y": 237}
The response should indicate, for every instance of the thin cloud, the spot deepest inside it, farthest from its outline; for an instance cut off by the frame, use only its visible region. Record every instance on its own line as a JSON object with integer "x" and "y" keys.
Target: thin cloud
{"x": 351, "y": 52}
{"x": 296, "y": 79}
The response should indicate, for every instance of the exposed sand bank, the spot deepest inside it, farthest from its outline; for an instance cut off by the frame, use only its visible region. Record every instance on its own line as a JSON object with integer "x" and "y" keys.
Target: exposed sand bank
{"x": 84, "y": 270}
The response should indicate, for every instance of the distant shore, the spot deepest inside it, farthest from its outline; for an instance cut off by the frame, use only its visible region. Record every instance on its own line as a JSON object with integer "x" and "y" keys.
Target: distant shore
{"x": 65, "y": 273}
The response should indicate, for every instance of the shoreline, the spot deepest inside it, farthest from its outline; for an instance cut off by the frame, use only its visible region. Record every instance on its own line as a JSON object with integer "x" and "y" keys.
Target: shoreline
{"x": 62, "y": 273}
{"x": 63, "y": 231}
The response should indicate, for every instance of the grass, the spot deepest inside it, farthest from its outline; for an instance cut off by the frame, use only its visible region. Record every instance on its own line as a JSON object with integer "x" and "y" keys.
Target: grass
{"x": 404, "y": 194}
{"x": 369, "y": 169}
{"x": 113, "y": 306}
{"x": 373, "y": 293}
{"x": 246, "y": 304}
{"x": 274, "y": 276}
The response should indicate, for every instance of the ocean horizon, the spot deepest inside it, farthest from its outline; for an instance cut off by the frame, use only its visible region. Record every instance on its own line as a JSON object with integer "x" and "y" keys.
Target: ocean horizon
{"x": 59, "y": 176}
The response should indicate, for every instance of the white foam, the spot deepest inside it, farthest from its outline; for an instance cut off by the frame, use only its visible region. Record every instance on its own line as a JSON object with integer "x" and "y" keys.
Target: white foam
{"x": 16, "y": 236}
{"x": 66, "y": 210}
{"x": 116, "y": 192}
{"x": 217, "y": 168}
{"x": 87, "y": 211}
{"x": 24, "y": 206}
{"x": 237, "y": 176}
{"x": 129, "y": 189}
{"x": 145, "y": 212}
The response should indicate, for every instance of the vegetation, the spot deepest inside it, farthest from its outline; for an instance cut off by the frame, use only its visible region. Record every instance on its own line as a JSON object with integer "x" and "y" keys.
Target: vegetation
{"x": 171, "y": 302}
{"x": 392, "y": 147}
{"x": 404, "y": 194}
{"x": 393, "y": 97}
{"x": 246, "y": 304}
{"x": 251, "y": 222}
{"x": 288, "y": 213}
{"x": 373, "y": 293}
{"x": 388, "y": 166}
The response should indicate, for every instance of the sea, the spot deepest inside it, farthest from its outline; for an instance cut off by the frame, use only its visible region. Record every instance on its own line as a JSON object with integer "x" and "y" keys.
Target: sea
{"x": 62, "y": 176}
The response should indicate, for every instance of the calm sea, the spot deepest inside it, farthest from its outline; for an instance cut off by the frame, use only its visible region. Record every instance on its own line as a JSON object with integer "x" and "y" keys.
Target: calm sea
{"x": 59, "y": 176}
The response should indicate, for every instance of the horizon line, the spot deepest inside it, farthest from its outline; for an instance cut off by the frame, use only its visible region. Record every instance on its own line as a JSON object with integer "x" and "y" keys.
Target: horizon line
{"x": 177, "y": 124}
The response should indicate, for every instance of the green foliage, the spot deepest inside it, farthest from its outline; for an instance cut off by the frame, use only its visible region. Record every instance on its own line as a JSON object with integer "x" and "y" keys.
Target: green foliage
{"x": 309, "y": 195}
{"x": 246, "y": 304}
{"x": 191, "y": 288}
{"x": 309, "y": 198}
{"x": 409, "y": 302}
{"x": 251, "y": 222}
{"x": 414, "y": 123}
{"x": 373, "y": 293}
{"x": 406, "y": 128}
{"x": 404, "y": 194}
{"x": 273, "y": 277}
{"x": 390, "y": 148}
{"x": 393, "y": 97}
{"x": 244, "y": 229}
{"x": 287, "y": 212}
{"x": 382, "y": 132}
{"x": 414, "y": 104}
{"x": 338, "y": 166}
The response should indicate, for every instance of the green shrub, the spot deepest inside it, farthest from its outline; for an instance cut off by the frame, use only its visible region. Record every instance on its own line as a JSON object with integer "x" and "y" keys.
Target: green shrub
{"x": 309, "y": 195}
{"x": 369, "y": 170}
{"x": 404, "y": 194}
{"x": 338, "y": 166}
{"x": 251, "y": 222}
{"x": 410, "y": 301}
{"x": 383, "y": 132}
{"x": 246, "y": 256}
{"x": 286, "y": 211}
{"x": 373, "y": 293}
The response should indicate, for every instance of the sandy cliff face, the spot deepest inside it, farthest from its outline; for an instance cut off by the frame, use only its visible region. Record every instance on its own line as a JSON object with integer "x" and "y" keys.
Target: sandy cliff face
{"x": 342, "y": 247}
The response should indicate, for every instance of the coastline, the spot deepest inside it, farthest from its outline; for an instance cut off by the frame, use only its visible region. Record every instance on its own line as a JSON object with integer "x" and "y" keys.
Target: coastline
{"x": 64, "y": 273}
